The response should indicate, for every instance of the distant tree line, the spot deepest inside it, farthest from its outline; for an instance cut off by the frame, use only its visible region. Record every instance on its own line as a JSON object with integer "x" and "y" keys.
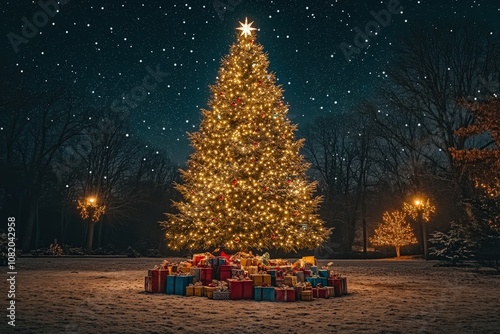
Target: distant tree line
{"x": 403, "y": 143}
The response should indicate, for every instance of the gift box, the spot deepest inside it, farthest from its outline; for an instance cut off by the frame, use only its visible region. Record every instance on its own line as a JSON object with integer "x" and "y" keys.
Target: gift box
{"x": 300, "y": 276}
{"x": 280, "y": 281}
{"x": 323, "y": 273}
{"x": 344, "y": 285}
{"x": 196, "y": 273}
{"x": 268, "y": 294}
{"x": 290, "y": 280}
{"x": 320, "y": 292}
{"x": 176, "y": 285}
{"x": 189, "y": 290}
{"x": 314, "y": 270}
{"x": 252, "y": 270}
{"x": 257, "y": 293}
{"x": 261, "y": 279}
{"x": 285, "y": 294}
{"x": 217, "y": 261}
{"x": 221, "y": 295}
{"x": 236, "y": 272}
{"x": 240, "y": 289}
{"x": 307, "y": 295}
{"x": 313, "y": 280}
{"x": 208, "y": 291}
{"x": 331, "y": 291}
{"x": 322, "y": 280}
{"x": 275, "y": 273}
{"x": 147, "y": 284}
{"x": 194, "y": 290}
{"x": 206, "y": 275}
{"x": 298, "y": 292}
{"x": 158, "y": 278}
{"x": 224, "y": 272}
{"x": 339, "y": 284}
{"x": 309, "y": 259}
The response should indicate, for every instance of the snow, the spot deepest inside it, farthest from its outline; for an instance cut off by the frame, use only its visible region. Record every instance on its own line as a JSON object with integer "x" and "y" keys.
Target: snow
{"x": 74, "y": 296}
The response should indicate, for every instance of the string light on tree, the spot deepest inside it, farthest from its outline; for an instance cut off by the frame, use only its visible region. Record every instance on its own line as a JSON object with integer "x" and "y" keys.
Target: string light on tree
{"x": 394, "y": 231}
{"x": 245, "y": 185}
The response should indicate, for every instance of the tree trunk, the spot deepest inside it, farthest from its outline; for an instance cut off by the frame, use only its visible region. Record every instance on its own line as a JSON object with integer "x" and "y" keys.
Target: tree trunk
{"x": 61, "y": 236}
{"x": 90, "y": 237}
{"x": 99, "y": 235}
{"x": 398, "y": 252}
{"x": 37, "y": 233}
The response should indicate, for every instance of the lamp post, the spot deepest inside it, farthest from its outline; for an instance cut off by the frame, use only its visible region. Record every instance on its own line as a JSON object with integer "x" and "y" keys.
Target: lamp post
{"x": 419, "y": 205}
{"x": 91, "y": 210}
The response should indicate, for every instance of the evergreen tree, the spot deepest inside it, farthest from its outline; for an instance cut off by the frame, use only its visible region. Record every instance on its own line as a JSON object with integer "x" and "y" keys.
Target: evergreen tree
{"x": 245, "y": 185}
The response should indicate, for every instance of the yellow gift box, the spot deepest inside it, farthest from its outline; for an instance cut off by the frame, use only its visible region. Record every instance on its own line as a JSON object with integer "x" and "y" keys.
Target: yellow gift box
{"x": 252, "y": 270}
{"x": 198, "y": 290}
{"x": 307, "y": 295}
{"x": 290, "y": 280}
{"x": 309, "y": 259}
{"x": 189, "y": 290}
{"x": 209, "y": 291}
{"x": 261, "y": 279}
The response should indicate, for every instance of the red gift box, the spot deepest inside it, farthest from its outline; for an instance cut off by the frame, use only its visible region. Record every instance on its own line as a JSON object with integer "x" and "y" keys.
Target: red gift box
{"x": 224, "y": 272}
{"x": 320, "y": 293}
{"x": 206, "y": 275}
{"x": 307, "y": 273}
{"x": 240, "y": 289}
{"x": 338, "y": 285}
{"x": 157, "y": 280}
{"x": 285, "y": 295}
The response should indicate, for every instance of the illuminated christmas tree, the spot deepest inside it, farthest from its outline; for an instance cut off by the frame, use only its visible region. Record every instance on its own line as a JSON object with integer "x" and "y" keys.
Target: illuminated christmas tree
{"x": 245, "y": 185}
{"x": 394, "y": 231}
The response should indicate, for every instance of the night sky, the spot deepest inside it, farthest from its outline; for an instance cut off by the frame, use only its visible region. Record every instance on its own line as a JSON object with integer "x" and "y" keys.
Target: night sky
{"x": 103, "y": 49}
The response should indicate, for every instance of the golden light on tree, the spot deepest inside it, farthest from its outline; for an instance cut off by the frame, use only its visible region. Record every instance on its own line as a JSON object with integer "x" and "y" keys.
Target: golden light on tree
{"x": 420, "y": 206}
{"x": 394, "y": 231}
{"x": 92, "y": 211}
{"x": 89, "y": 208}
{"x": 245, "y": 185}
{"x": 482, "y": 165}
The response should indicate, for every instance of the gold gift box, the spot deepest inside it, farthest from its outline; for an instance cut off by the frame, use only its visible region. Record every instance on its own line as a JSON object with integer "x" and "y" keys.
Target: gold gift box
{"x": 309, "y": 259}
{"x": 189, "y": 290}
{"x": 307, "y": 295}
{"x": 290, "y": 280}
{"x": 261, "y": 279}
{"x": 209, "y": 291}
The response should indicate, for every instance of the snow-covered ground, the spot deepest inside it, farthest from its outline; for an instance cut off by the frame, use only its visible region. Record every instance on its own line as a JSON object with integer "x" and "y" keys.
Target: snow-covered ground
{"x": 62, "y": 295}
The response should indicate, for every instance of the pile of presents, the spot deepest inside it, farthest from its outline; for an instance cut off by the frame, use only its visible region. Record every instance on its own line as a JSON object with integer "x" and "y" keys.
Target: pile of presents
{"x": 243, "y": 276}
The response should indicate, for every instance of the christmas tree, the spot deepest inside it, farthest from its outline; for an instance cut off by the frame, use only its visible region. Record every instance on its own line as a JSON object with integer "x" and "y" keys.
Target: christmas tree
{"x": 394, "y": 231}
{"x": 245, "y": 185}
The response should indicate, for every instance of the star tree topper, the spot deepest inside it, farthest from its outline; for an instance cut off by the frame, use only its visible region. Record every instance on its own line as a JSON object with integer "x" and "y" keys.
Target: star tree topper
{"x": 246, "y": 28}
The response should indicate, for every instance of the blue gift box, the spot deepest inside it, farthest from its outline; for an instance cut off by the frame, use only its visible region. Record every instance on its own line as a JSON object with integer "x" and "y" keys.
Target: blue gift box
{"x": 217, "y": 261}
{"x": 266, "y": 293}
{"x": 323, "y": 273}
{"x": 322, "y": 280}
{"x": 273, "y": 280}
{"x": 312, "y": 280}
{"x": 257, "y": 293}
{"x": 314, "y": 270}
{"x": 176, "y": 285}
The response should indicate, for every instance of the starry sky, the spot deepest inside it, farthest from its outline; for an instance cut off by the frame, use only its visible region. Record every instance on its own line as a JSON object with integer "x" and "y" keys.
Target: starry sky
{"x": 104, "y": 49}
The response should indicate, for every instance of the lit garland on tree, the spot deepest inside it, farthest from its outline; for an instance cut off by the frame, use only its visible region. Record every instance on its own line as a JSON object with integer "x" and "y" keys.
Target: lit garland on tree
{"x": 245, "y": 186}
{"x": 394, "y": 231}
{"x": 424, "y": 207}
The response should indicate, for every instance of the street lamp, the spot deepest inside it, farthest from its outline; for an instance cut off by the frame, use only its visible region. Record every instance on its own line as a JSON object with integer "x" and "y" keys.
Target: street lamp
{"x": 420, "y": 209}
